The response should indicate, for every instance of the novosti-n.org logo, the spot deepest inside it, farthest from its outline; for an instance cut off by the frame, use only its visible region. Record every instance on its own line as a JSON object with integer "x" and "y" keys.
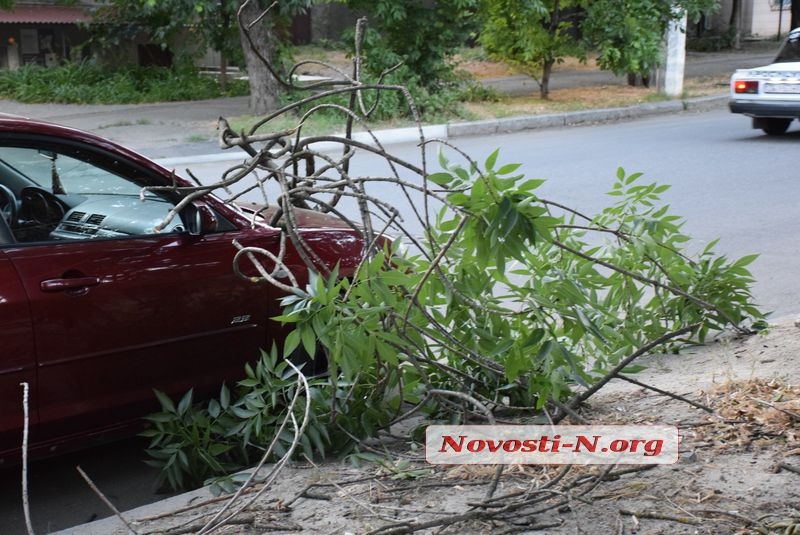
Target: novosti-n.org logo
{"x": 541, "y": 444}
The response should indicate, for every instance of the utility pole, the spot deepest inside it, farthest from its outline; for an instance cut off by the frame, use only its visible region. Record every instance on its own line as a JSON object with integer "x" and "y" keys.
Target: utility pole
{"x": 675, "y": 64}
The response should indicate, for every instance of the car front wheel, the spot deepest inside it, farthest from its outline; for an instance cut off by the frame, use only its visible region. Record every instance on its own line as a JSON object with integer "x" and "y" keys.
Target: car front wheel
{"x": 774, "y": 126}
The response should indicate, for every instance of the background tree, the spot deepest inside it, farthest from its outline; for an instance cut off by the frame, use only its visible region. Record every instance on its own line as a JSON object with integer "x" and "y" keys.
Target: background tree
{"x": 214, "y": 24}
{"x": 629, "y": 34}
{"x": 533, "y": 35}
{"x": 263, "y": 27}
{"x": 421, "y": 35}
{"x": 536, "y": 34}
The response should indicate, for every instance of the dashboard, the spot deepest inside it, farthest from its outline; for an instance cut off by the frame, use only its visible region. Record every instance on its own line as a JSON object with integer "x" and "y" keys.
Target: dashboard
{"x": 47, "y": 216}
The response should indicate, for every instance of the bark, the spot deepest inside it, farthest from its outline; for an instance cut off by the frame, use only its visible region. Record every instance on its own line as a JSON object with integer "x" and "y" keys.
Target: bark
{"x": 259, "y": 50}
{"x": 547, "y": 67}
{"x": 223, "y": 72}
{"x": 544, "y": 86}
{"x": 735, "y": 24}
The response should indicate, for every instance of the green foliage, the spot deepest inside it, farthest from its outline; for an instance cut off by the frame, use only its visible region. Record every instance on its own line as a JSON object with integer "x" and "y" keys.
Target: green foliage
{"x": 192, "y": 443}
{"x": 89, "y": 83}
{"x": 629, "y": 33}
{"x": 534, "y": 35}
{"x": 421, "y": 35}
{"x": 630, "y": 40}
{"x": 386, "y": 105}
{"x": 711, "y": 42}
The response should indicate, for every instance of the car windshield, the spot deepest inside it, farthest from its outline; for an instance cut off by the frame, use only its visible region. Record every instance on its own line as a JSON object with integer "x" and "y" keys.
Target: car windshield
{"x": 790, "y": 51}
{"x": 75, "y": 176}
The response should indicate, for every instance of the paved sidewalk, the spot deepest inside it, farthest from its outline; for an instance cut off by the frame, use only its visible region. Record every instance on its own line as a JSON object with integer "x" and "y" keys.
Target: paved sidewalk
{"x": 187, "y": 129}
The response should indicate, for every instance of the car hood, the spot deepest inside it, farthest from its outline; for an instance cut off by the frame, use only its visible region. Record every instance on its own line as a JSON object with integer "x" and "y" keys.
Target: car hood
{"x": 305, "y": 218}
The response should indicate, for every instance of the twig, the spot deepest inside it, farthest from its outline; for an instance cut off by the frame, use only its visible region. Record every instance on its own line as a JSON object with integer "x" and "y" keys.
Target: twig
{"x": 786, "y": 466}
{"x": 719, "y": 512}
{"x": 105, "y": 500}
{"x": 793, "y": 415}
{"x": 580, "y": 398}
{"x": 665, "y": 393}
{"x": 656, "y": 515}
{"x": 25, "y": 424}
{"x": 218, "y": 521}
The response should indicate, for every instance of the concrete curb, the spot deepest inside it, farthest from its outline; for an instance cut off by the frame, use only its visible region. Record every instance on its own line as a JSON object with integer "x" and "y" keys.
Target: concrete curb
{"x": 491, "y": 126}
{"x": 603, "y": 115}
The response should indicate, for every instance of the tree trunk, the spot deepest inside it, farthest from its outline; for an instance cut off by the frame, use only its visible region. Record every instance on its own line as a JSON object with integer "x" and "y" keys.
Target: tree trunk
{"x": 795, "y": 14}
{"x": 735, "y": 24}
{"x": 223, "y": 72}
{"x": 544, "y": 86}
{"x": 264, "y": 87}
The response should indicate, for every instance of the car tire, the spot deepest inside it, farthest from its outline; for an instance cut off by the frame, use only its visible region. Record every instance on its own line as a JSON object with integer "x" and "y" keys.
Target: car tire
{"x": 774, "y": 126}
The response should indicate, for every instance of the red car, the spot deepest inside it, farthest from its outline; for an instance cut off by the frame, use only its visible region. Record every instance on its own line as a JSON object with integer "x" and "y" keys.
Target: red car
{"x": 97, "y": 308}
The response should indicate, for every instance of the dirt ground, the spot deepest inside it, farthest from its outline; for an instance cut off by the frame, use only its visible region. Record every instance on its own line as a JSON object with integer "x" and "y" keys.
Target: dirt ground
{"x": 738, "y": 470}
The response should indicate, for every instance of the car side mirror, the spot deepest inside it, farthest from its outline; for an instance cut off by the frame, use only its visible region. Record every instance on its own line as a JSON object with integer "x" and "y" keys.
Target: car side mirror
{"x": 200, "y": 219}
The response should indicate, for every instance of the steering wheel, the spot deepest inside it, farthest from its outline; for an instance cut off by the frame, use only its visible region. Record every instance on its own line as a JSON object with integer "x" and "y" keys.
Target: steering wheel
{"x": 8, "y": 205}
{"x": 41, "y": 206}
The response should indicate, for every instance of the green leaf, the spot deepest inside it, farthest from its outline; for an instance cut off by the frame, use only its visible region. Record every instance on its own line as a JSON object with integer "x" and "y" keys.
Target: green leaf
{"x": 491, "y": 160}
{"x": 165, "y": 401}
{"x": 440, "y": 179}
{"x": 309, "y": 342}
{"x": 530, "y": 185}
{"x": 634, "y": 368}
{"x": 745, "y": 261}
{"x": 185, "y": 402}
{"x": 510, "y": 168}
{"x": 292, "y": 342}
{"x": 224, "y": 397}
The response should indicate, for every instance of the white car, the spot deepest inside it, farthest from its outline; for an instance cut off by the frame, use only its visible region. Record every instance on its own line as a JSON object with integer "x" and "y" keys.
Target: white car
{"x": 770, "y": 94}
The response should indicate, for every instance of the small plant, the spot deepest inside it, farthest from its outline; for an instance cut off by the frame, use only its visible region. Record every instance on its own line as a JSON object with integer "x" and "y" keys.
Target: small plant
{"x": 194, "y": 443}
{"x": 89, "y": 83}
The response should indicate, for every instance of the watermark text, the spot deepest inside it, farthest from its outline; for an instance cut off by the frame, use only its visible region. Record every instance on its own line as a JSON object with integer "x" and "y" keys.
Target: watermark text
{"x": 544, "y": 444}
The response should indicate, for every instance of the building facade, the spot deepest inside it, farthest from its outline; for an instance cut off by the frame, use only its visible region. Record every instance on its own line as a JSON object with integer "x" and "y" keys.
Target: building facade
{"x": 41, "y": 32}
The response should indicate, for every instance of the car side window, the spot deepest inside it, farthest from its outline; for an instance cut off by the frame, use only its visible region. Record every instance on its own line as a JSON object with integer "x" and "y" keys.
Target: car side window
{"x": 51, "y": 196}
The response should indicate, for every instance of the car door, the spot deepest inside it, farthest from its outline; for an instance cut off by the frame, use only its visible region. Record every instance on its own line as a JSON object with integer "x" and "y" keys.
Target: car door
{"x": 118, "y": 315}
{"x": 16, "y": 358}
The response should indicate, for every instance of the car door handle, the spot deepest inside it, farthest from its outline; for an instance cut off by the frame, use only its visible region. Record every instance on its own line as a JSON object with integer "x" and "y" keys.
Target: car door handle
{"x": 60, "y": 285}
